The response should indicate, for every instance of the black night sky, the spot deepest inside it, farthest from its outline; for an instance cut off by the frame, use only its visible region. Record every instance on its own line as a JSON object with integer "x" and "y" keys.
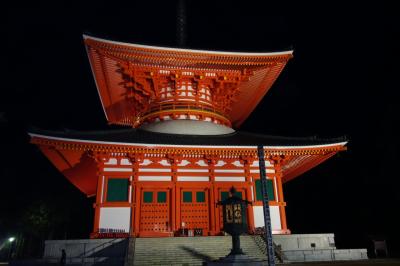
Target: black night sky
{"x": 343, "y": 80}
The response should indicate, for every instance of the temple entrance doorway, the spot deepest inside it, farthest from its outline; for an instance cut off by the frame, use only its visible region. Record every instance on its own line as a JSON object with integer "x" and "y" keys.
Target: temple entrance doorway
{"x": 194, "y": 211}
{"x": 155, "y": 214}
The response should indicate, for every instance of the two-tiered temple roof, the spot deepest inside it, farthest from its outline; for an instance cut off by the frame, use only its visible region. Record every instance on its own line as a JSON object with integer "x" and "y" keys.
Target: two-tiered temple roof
{"x": 146, "y": 85}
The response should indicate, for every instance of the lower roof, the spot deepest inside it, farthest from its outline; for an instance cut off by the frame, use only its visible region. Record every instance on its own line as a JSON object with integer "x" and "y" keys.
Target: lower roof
{"x": 133, "y": 136}
{"x": 70, "y": 151}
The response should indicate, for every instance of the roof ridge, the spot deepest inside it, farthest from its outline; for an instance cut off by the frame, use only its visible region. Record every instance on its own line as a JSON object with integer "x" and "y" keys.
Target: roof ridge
{"x": 132, "y": 135}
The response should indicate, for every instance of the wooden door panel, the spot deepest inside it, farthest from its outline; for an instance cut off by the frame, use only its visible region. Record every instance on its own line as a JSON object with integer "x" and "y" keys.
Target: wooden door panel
{"x": 195, "y": 209}
{"x": 155, "y": 211}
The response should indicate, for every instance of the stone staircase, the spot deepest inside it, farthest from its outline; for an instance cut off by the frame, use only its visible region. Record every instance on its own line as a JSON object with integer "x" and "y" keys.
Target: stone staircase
{"x": 190, "y": 250}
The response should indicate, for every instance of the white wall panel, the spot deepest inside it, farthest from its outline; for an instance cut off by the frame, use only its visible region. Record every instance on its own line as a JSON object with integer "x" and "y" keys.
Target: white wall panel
{"x": 115, "y": 218}
{"x": 193, "y": 178}
{"x": 154, "y": 178}
{"x": 111, "y": 161}
{"x": 230, "y": 178}
{"x": 275, "y": 217}
{"x": 125, "y": 161}
{"x": 117, "y": 169}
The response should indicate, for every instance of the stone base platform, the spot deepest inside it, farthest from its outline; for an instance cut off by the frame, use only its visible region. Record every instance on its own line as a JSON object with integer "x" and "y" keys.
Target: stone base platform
{"x": 315, "y": 247}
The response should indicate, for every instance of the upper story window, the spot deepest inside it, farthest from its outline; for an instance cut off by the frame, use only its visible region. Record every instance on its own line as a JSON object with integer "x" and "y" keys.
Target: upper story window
{"x": 270, "y": 189}
{"x": 117, "y": 189}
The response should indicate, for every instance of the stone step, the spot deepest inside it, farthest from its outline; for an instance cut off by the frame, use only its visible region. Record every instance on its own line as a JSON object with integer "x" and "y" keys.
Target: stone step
{"x": 189, "y": 250}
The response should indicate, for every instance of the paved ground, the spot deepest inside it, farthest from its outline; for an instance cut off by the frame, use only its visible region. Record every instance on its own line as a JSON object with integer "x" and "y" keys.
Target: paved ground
{"x": 379, "y": 262}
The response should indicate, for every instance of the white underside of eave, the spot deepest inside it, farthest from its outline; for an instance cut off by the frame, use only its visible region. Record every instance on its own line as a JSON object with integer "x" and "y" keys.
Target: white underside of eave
{"x": 148, "y": 145}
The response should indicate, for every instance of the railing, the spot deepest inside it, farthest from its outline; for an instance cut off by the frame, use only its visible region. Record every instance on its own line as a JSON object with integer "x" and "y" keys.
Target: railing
{"x": 90, "y": 257}
{"x": 279, "y": 253}
{"x": 259, "y": 238}
{"x": 130, "y": 252}
{"x": 183, "y": 105}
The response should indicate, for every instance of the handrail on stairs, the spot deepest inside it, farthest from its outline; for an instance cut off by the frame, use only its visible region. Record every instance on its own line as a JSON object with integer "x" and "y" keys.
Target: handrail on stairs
{"x": 278, "y": 252}
{"x": 92, "y": 250}
{"x": 130, "y": 251}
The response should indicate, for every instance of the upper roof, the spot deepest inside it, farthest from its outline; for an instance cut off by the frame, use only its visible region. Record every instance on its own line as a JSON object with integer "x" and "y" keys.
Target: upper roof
{"x": 254, "y": 74}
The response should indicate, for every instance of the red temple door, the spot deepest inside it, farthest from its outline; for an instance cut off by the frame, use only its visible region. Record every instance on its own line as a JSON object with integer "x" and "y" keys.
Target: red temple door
{"x": 195, "y": 210}
{"x": 155, "y": 218}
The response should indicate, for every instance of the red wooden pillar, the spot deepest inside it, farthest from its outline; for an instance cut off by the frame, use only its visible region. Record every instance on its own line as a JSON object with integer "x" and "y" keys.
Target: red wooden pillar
{"x": 173, "y": 206}
{"x": 214, "y": 214}
{"x": 250, "y": 211}
{"x": 281, "y": 202}
{"x": 246, "y": 161}
{"x": 177, "y": 208}
{"x": 132, "y": 206}
{"x": 97, "y": 205}
{"x": 99, "y": 194}
{"x": 216, "y": 211}
{"x": 138, "y": 193}
{"x": 174, "y": 160}
{"x": 174, "y": 203}
{"x": 135, "y": 159}
{"x": 212, "y": 209}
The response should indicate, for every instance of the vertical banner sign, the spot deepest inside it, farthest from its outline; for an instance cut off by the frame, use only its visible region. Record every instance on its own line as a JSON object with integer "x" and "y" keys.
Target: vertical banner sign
{"x": 267, "y": 217}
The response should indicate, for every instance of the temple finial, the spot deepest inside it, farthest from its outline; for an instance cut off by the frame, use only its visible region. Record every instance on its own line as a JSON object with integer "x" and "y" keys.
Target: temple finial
{"x": 181, "y": 23}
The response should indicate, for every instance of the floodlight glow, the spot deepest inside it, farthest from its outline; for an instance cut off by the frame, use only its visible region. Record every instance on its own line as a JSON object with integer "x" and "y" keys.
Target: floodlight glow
{"x": 11, "y": 239}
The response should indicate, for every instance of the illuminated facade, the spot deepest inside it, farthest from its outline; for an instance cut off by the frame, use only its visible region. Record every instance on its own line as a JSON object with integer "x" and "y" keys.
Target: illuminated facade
{"x": 180, "y": 154}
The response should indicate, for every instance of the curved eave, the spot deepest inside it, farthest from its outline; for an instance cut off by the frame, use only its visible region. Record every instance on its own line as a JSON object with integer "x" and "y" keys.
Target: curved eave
{"x": 76, "y": 165}
{"x": 297, "y": 165}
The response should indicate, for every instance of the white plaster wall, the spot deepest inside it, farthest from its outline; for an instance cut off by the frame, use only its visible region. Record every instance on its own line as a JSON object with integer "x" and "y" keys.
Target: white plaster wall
{"x": 154, "y": 170}
{"x": 125, "y": 161}
{"x": 274, "y": 213}
{"x": 115, "y": 218}
{"x": 267, "y": 163}
{"x": 201, "y": 163}
{"x": 111, "y": 161}
{"x": 237, "y": 164}
{"x": 183, "y": 163}
{"x": 257, "y": 171}
{"x": 230, "y": 178}
{"x": 154, "y": 178}
{"x": 193, "y": 178}
{"x": 117, "y": 169}
{"x": 187, "y": 127}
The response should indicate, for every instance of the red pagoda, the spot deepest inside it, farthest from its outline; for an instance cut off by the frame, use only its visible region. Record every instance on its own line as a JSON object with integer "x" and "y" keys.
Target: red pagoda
{"x": 179, "y": 153}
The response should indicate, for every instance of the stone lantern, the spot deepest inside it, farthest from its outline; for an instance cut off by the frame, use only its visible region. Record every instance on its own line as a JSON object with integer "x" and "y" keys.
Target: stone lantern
{"x": 234, "y": 213}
